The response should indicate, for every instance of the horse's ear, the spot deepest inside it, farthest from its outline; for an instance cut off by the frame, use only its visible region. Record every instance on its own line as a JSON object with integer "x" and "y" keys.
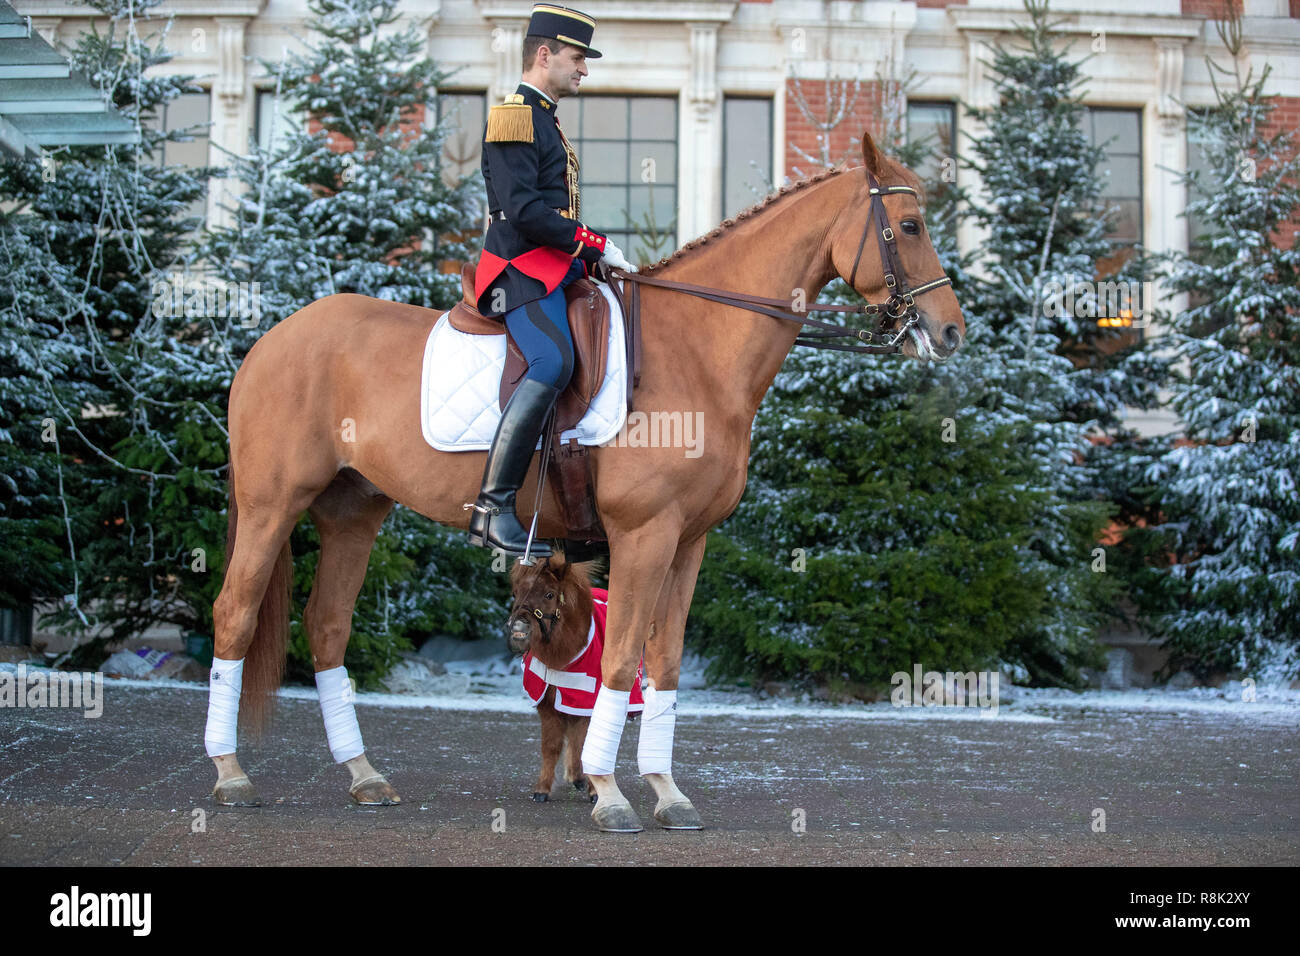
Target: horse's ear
{"x": 871, "y": 156}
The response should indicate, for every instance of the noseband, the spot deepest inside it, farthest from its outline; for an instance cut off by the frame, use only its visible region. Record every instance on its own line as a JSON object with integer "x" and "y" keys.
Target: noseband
{"x": 900, "y": 307}
{"x": 545, "y": 621}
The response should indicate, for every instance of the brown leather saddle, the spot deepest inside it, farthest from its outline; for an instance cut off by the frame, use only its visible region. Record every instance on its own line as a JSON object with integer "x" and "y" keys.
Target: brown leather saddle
{"x": 569, "y": 465}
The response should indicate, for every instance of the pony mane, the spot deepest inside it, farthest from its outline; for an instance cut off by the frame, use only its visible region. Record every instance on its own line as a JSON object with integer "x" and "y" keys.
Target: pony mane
{"x": 894, "y": 170}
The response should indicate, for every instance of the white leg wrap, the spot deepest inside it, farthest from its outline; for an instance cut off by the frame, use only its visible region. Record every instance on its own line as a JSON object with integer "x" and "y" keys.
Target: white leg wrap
{"x": 600, "y": 750}
{"x": 339, "y": 710}
{"x": 654, "y": 752}
{"x": 225, "y": 684}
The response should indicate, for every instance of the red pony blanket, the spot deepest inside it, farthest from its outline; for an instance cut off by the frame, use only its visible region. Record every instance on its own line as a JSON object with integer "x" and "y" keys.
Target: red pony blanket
{"x": 576, "y": 685}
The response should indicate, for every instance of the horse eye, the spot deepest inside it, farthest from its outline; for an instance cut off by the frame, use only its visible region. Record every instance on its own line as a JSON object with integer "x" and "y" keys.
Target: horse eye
{"x": 911, "y": 227}
{"x": 549, "y": 595}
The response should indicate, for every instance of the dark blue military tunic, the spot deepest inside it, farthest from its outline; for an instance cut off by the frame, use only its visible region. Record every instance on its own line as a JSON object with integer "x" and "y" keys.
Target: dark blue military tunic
{"x": 534, "y": 234}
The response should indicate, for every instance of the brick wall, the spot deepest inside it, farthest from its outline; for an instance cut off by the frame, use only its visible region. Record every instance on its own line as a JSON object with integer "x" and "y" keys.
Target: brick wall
{"x": 845, "y": 139}
{"x": 1286, "y": 117}
{"x": 1212, "y": 8}
{"x": 412, "y": 123}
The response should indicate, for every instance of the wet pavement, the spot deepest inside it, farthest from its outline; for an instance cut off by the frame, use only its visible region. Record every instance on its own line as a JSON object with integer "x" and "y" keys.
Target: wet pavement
{"x": 132, "y": 787}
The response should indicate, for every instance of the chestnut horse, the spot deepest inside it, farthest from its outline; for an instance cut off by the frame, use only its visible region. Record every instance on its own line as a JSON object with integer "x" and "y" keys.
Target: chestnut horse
{"x": 325, "y": 418}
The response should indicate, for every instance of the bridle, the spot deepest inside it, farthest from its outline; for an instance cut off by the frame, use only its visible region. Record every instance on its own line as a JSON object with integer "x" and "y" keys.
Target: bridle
{"x": 545, "y": 621}
{"x": 898, "y": 310}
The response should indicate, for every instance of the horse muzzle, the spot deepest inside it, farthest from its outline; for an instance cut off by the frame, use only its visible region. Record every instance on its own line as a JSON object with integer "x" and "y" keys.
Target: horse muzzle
{"x": 519, "y": 634}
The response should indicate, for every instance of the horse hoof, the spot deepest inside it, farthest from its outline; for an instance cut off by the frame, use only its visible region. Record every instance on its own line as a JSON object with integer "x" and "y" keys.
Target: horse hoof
{"x": 236, "y": 792}
{"x": 619, "y": 818}
{"x": 375, "y": 792}
{"x": 541, "y": 797}
{"x": 679, "y": 816}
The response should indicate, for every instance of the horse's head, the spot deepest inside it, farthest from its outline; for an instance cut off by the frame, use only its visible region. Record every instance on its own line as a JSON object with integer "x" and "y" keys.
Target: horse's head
{"x": 882, "y": 249}
{"x": 552, "y": 598}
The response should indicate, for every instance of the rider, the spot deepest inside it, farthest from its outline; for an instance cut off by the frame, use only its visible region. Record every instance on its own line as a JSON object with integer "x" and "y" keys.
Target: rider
{"x": 535, "y": 246}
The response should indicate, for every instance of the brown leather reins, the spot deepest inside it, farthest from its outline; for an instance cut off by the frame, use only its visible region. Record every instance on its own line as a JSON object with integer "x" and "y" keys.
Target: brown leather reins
{"x": 901, "y": 304}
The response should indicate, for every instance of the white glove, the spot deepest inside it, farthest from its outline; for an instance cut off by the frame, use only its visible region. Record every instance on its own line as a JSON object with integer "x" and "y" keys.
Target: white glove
{"x": 614, "y": 258}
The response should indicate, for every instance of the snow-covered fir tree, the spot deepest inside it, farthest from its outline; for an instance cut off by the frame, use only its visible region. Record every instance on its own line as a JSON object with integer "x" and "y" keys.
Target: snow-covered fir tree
{"x": 1047, "y": 224}
{"x": 91, "y": 231}
{"x": 351, "y": 197}
{"x": 1227, "y": 491}
{"x": 899, "y": 513}
{"x": 1037, "y": 353}
{"x": 128, "y": 336}
{"x": 354, "y": 201}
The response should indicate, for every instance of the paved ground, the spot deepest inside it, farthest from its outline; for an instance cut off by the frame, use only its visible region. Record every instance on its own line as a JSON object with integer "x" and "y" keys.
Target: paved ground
{"x": 1194, "y": 789}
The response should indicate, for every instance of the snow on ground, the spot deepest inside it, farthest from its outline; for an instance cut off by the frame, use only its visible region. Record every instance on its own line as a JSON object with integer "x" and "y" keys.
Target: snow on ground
{"x": 493, "y": 683}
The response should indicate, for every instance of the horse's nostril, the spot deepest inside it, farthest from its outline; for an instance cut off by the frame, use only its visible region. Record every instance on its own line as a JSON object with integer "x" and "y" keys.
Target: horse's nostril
{"x": 951, "y": 337}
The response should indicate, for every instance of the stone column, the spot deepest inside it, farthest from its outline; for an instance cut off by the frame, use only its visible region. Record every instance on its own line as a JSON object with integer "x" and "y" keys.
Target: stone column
{"x": 1166, "y": 157}
{"x": 232, "y": 112}
{"x": 508, "y": 49}
{"x": 700, "y": 132}
{"x": 980, "y": 93}
{"x": 700, "y": 129}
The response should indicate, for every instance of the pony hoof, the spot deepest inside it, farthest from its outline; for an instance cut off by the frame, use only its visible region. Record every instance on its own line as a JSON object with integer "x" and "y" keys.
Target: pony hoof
{"x": 679, "y": 816}
{"x": 236, "y": 792}
{"x": 541, "y": 797}
{"x": 619, "y": 818}
{"x": 375, "y": 792}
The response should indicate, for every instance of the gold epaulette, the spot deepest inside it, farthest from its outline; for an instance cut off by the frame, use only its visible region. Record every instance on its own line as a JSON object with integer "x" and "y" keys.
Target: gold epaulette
{"x": 511, "y": 122}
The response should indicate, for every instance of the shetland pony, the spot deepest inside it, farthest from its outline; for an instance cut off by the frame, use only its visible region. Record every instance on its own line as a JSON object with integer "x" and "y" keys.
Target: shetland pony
{"x": 558, "y": 625}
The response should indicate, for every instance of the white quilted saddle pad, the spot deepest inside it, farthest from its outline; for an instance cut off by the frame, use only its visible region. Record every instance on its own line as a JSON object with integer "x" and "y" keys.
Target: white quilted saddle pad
{"x": 459, "y": 407}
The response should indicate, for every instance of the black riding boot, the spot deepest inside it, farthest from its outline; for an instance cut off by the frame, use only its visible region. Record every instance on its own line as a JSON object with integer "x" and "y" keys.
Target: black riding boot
{"x": 492, "y": 523}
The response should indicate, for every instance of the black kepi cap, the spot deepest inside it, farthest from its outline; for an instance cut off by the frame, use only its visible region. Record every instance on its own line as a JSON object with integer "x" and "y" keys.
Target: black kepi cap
{"x": 560, "y": 23}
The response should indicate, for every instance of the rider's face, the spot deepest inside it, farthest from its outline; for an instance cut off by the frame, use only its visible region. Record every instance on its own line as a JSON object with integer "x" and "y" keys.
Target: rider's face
{"x": 565, "y": 70}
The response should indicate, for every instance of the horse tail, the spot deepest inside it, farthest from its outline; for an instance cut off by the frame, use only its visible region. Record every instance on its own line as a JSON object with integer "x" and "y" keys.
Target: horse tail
{"x": 264, "y": 660}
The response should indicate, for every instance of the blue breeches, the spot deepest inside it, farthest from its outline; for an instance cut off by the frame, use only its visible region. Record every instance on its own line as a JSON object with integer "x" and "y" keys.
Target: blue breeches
{"x": 541, "y": 330}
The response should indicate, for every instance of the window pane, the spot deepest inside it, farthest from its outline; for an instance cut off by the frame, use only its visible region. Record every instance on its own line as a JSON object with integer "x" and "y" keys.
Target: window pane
{"x": 1197, "y": 161}
{"x": 1125, "y": 177}
{"x": 465, "y": 116}
{"x": 569, "y": 114}
{"x": 617, "y": 170}
{"x": 604, "y": 117}
{"x": 932, "y": 125}
{"x": 652, "y": 162}
{"x": 640, "y": 198}
{"x": 1124, "y": 225}
{"x": 602, "y": 206}
{"x": 1118, "y": 126}
{"x": 1121, "y": 167}
{"x": 747, "y": 153}
{"x": 655, "y": 118}
{"x": 191, "y": 112}
{"x": 604, "y": 163}
{"x": 185, "y": 112}
{"x": 276, "y": 122}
